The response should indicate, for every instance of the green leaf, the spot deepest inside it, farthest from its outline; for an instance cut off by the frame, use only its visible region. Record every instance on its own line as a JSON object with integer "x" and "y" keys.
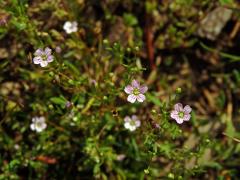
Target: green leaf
{"x": 129, "y": 19}
{"x": 150, "y": 6}
{"x": 58, "y": 100}
{"x": 226, "y": 2}
{"x": 153, "y": 99}
{"x": 233, "y": 58}
{"x": 213, "y": 164}
{"x": 72, "y": 67}
{"x": 230, "y": 128}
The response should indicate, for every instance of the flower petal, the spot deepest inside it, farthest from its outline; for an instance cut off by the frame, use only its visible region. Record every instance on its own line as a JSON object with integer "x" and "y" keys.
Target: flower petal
{"x": 41, "y": 119}
{"x": 132, "y": 128}
{"x": 66, "y": 25}
{"x": 138, "y": 123}
{"x": 178, "y": 107}
{"x": 74, "y": 29}
{"x": 179, "y": 120}
{"x": 143, "y": 89}
{"x": 127, "y": 125}
{"x": 187, "y": 117}
{"x": 134, "y": 117}
{"x": 187, "y": 109}
{"x": 131, "y": 98}
{"x": 43, "y": 63}
{"x": 74, "y": 24}
{"x": 37, "y": 60}
{"x": 38, "y": 52}
{"x": 140, "y": 98}
{"x": 32, "y": 127}
{"x": 127, "y": 119}
{"x": 47, "y": 51}
{"x": 44, "y": 126}
{"x": 174, "y": 114}
{"x": 50, "y": 58}
{"x": 39, "y": 129}
{"x": 34, "y": 119}
{"x": 128, "y": 89}
{"x": 135, "y": 84}
{"x": 68, "y": 31}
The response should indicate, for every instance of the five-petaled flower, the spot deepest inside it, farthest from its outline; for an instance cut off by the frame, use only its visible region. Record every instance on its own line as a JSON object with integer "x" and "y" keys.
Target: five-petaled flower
{"x": 70, "y": 27}
{"x": 181, "y": 114}
{"x": 38, "y": 124}
{"x": 135, "y": 91}
{"x": 43, "y": 57}
{"x": 132, "y": 123}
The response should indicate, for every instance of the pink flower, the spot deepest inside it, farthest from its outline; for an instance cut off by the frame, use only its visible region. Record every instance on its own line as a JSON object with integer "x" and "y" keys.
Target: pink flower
{"x": 68, "y": 104}
{"x": 132, "y": 123}
{"x": 43, "y": 57}
{"x": 135, "y": 91}
{"x": 181, "y": 114}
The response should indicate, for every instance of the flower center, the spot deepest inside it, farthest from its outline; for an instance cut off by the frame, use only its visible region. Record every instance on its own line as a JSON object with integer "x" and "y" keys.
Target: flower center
{"x": 136, "y": 91}
{"x": 44, "y": 57}
{"x": 181, "y": 114}
{"x": 132, "y": 123}
{"x": 39, "y": 124}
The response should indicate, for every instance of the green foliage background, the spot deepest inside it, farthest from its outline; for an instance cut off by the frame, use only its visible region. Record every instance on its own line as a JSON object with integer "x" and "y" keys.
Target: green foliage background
{"x": 88, "y": 139}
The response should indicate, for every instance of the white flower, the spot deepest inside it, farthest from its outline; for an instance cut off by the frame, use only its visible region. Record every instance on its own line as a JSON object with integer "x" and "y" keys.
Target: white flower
{"x": 70, "y": 27}
{"x": 132, "y": 123}
{"x": 120, "y": 157}
{"x": 38, "y": 124}
{"x": 135, "y": 92}
{"x": 16, "y": 146}
{"x": 180, "y": 113}
{"x": 43, "y": 57}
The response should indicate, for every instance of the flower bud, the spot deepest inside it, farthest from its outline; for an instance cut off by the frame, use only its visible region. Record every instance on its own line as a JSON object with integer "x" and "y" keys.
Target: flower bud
{"x": 179, "y": 90}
